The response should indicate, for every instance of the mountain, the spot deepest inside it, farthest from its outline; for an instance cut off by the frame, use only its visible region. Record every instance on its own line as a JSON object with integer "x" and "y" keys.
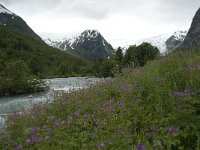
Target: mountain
{"x": 41, "y": 59}
{"x": 158, "y": 41}
{"x": 89, "y": 45}
{"x": 8, "y": 18}
{"x": 164, "y": 42}
{"x": 192, "y": 39}
{"x": 176, "y": 40}
{"x": 56, "y": 39}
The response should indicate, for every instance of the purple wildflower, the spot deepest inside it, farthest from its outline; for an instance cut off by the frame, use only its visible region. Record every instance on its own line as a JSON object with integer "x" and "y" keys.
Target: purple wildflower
{"x": 33, "y": 130}
{"x": 70, "y": 120}
{"x": 178, "y": 94}
{"x": 141, "y": 146}
{"x": 171, "y": 130}
{"x": 29, "y": 142}
{"x": 38, "y": 139}
{"x": 18, "y": 147}
{"x": 112, "y": 100}
{"x": 150, "y": 135}
{"x": 77, "y": 113}
{"x": 97, "y": 124}
{"x": 49, "y": 130}
{"x": 111, "y": 108}
{"x": 190, "y": 91}
{"x": 57, "y": 122}
{"x": 129, "y": 133}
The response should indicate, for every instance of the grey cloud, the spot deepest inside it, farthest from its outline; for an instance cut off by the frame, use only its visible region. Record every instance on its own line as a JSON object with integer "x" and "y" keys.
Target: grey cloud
{"x": 32, "y": 6}
{"x": 155, "y": 12}
{"x": 99, "y": 9}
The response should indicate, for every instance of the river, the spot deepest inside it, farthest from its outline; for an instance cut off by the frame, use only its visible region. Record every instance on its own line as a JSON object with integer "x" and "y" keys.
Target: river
{"x": 58, "y": 85}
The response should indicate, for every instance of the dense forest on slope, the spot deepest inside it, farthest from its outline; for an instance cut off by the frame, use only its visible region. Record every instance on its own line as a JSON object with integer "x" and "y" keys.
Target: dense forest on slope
{"x": 23, "y": 58}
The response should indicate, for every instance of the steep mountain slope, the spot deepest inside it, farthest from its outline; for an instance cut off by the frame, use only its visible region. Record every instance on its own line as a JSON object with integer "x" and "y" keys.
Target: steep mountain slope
{"x": 192, "y": 39}
{"x": 89, "y": 44}
{"x": 14, "y": 21}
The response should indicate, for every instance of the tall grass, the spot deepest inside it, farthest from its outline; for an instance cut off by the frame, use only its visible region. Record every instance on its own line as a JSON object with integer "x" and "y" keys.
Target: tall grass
{"x": 154, "y": 107}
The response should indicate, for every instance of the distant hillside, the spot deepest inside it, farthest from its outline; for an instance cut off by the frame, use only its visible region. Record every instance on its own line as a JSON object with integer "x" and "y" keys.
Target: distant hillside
{"x": 33, "y": 58}
{"x": 8, "y": 18}
{"x": 89, "y": 45}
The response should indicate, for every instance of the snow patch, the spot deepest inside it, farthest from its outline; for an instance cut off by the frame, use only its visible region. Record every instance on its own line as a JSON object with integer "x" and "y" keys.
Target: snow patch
{"x": 68, "y": 39}
{"x": 158, "y": 41}
{"x": 180, "y": 35}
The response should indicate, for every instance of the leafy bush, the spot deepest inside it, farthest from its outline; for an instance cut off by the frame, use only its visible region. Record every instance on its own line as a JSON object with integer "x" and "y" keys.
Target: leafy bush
{"x": 139, "y": 55}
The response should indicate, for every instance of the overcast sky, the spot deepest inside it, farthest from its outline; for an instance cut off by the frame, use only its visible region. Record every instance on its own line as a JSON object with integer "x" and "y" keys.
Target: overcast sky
{"x": 129, "y": 19}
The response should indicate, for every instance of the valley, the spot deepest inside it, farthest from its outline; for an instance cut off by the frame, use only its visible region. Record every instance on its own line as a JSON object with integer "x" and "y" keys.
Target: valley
{"x": 83, "y": 90}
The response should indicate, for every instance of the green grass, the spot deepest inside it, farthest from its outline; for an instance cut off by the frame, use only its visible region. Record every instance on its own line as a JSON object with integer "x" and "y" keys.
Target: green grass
{"x": 156, "y": 107}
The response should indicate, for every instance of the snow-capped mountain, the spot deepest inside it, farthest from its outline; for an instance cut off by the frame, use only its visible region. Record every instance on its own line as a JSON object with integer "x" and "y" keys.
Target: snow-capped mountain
{"x": 164, "y": 42}
{"x": 56, "y": 39}
{"x": 89, "y": 44}
{"x": 175, "y": 40}
{"x": 11, "y": 20}
{"x": 158, "y": 41}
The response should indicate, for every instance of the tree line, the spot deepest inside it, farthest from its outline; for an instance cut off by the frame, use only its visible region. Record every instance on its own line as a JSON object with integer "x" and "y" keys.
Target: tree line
{"x": 135, "y": 56}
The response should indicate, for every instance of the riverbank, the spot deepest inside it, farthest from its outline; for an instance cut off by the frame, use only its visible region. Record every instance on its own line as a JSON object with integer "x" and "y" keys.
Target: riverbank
{"x": 57, "y": 87}
{"x": 154, "y": 107}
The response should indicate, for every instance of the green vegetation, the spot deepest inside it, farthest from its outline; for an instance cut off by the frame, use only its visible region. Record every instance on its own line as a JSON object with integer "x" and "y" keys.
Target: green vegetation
{"x": 135, "y": 56}
{"x": 153, "y": 107}
{"x": 140, "y": 55}
{"x": 23, "y": 58}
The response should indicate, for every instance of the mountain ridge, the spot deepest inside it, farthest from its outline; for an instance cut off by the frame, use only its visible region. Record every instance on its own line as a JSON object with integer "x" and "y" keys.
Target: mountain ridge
{"x": 12, "y": 20}
{"x": 89, "y": 44}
